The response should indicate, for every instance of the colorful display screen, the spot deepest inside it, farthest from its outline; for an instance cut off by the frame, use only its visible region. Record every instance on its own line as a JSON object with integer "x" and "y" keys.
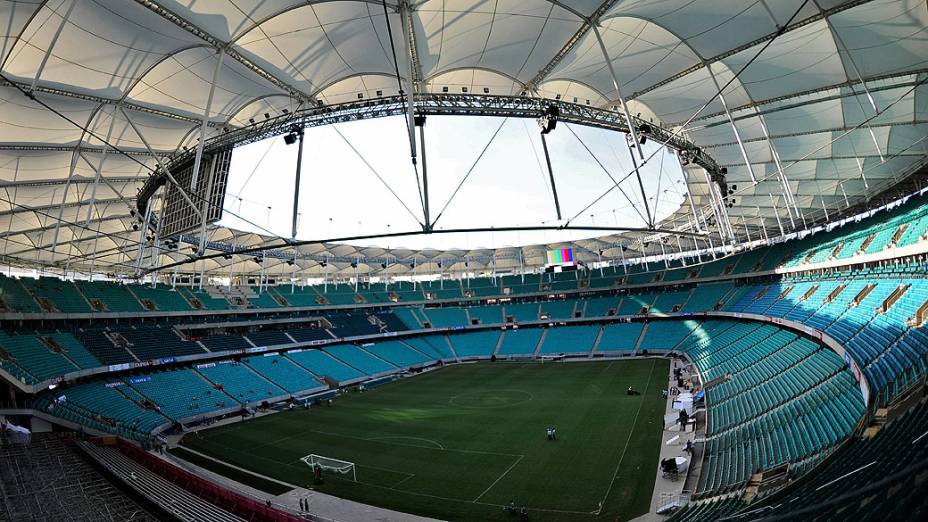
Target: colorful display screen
{"x": 560, "y": 256}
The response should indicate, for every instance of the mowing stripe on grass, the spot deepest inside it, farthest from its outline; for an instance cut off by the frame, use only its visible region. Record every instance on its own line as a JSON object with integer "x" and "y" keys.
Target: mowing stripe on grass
{"x": 630, "y": 433}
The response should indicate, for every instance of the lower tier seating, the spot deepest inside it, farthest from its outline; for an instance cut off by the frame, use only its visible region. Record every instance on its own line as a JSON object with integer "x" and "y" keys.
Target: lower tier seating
{"x": 284, "y": 373}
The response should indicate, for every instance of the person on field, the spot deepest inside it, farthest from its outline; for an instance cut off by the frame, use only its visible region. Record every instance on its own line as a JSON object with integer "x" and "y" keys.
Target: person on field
{"x": 511, "y": 507}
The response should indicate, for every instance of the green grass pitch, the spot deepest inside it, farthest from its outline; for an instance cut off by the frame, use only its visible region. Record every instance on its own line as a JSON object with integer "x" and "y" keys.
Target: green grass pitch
{"x": 460, "y": 442}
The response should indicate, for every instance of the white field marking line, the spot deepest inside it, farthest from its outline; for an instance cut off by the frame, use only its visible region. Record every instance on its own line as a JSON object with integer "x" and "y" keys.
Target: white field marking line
{"x": 290, "y": 464}
{"x": 848, "y": 474}
{"x": 394, "y": 486}
{"x": 379, "y": 486}
{"x": 396, "y": 437}
{"x": 498, "y": 478}
{"x": 920, "y": 437}
{"x": 630, "y": 434}
{"x": 233, "y": 466}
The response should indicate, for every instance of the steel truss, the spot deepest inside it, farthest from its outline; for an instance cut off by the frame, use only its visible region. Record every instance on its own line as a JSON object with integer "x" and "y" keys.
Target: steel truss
{"x": 437, "y": 104}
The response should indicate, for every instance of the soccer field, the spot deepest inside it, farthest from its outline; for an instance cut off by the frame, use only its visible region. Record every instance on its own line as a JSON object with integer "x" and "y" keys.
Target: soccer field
{"x": 460, "y": 442}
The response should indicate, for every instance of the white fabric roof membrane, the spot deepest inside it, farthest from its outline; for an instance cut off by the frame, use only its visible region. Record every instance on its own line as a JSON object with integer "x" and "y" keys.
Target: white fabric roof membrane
{"x": 833, "y": 93}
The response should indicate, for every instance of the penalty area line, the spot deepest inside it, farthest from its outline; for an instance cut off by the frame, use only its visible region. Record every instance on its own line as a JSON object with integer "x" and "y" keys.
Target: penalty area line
{"x": 394, "y": 486}
{"x": 518, "y": 460}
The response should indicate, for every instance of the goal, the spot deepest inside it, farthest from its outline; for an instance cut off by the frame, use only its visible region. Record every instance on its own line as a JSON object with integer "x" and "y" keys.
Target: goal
{"x": 328, "y": 463}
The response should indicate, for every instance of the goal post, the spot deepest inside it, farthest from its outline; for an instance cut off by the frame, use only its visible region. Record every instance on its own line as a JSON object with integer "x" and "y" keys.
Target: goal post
{"x": 342, "y": 467}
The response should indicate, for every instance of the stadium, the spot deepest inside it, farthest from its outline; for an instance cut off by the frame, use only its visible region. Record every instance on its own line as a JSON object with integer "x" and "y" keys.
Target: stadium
{"x": 416, "y": 260}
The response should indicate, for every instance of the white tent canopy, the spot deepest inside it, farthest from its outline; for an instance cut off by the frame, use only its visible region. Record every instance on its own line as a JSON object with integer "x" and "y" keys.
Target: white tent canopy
{"x": 829, "y": 98}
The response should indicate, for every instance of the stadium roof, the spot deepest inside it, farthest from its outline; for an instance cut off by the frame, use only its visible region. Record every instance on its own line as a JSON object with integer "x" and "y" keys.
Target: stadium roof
{"x": 829, "y": 99}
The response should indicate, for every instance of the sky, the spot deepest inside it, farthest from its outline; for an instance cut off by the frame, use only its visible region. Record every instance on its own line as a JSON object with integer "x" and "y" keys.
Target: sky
{"x": 347, "y": 169}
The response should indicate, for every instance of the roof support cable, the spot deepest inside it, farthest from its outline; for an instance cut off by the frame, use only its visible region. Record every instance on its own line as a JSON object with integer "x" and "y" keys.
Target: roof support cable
{"x": 689, "y": 120}
{"x": 469, "y": 172}
{"x": 616, "y": 184}
{"x": 106, "y": 142}
{"x": 375, "y": 173}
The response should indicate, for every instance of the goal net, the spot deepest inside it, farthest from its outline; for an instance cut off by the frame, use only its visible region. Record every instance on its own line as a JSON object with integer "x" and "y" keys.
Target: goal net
{"x": 342, "y": 467}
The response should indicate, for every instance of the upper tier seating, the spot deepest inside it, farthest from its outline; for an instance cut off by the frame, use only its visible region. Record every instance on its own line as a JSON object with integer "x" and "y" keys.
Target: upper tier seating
{"x": 352, "y": 325}
{"x": 521, "y": 312}
{"x": 706, "y": 297}
{"x": 449, "y": 289}
{"x": 61, "y": 295}
{"x": 97, "y": 343}
{"x": 557, "y": 309}
{"x": 156, "y": 342}
{"x": 162, "y": 297}
{"x": 28, "y": 359}
{"x": 486, "y": 314}
{"x": 264, "y": 299}
{"x": 528, "y": 284}
{"x": 303, "y": 335}
{"x": 201, "y": 299}
{"x": 445, "y": 317}
{"x": 114, "y": 297}
{"x": 635, "y": 304}
{"x": 71, "y": 348}
{"x": 14, "y": 297}
{"x": 300, "y": 296}
{"x": 222, "y": 343}
{"x": 268, "y": 338}
{"x": 875, "y": 339}
{"x": 600, "y": 306}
